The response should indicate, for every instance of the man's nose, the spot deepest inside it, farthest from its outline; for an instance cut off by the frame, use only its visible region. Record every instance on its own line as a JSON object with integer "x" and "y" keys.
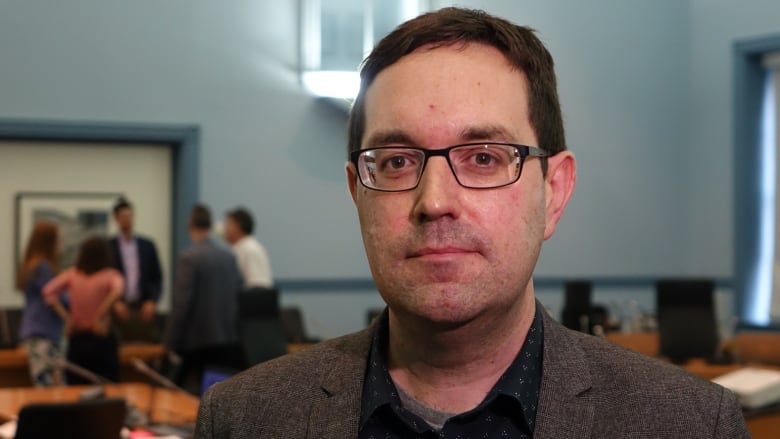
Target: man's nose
{"x": 437, "y": 193}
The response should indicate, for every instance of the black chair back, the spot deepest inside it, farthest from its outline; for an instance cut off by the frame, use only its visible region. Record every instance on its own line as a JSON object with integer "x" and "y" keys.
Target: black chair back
{"x": 10, "y": 322}
{"x": 262, "y": 332}
{"x": 292, "y": 321}
{"x": 686, "y": 318}
{"x": 576, "y": 312}
{"x": 93, "y": 419}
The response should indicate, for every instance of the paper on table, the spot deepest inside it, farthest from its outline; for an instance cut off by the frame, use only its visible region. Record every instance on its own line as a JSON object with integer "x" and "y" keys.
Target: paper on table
{"x": 754, "y": 387}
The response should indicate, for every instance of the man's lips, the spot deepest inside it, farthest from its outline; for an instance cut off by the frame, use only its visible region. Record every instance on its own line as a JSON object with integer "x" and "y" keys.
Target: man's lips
{"x": 439, "y": 251}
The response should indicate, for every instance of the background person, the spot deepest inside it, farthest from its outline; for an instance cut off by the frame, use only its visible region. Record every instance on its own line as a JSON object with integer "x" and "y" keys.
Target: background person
{"x": 136, "y": 258}
{"x": 250, "y": 254}
{"x": 93, "y": 286}
{"x": 41, "y": 327}
{"x": 203, "y": 322}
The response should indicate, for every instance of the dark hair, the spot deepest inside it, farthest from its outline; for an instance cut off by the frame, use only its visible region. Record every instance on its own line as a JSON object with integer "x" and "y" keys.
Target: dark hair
{"x": 243, "y": 218}
{"x": 200, "y": 217}
{"x": 94, "y": 255}
{"x": 42, "y": 246}
{"x": 450, "y": 26}
{"x": 122, "y": 203}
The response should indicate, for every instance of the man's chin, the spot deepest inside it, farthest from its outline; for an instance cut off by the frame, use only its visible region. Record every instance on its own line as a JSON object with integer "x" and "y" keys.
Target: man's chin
{"x": 439, "y": 319}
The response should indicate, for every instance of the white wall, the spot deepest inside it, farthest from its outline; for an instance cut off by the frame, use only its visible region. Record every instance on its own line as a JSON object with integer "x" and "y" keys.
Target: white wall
{"x": 141, "y": 172}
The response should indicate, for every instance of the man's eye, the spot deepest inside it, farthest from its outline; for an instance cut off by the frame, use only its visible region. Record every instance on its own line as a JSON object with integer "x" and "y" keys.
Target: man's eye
{"x": 398, "y": 162}
{"x": 483, "y": 159}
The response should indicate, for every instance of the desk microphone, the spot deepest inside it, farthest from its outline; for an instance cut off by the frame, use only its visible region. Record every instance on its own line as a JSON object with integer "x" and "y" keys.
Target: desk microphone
{"x": 155, "y": 376}
{"x": 134, "y": 416}
{"x": 97, "y": 381}
{"x": 88, "y": 375}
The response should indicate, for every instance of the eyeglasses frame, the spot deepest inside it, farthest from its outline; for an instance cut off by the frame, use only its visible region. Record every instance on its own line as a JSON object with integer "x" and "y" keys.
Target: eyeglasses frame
{"x": 523, "y": 151}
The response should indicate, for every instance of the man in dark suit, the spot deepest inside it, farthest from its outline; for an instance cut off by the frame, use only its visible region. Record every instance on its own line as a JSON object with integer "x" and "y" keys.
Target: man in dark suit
{"x": 136, "y": 258}
{"x": 459, "y": 171}
{"x": 203, "y": 322}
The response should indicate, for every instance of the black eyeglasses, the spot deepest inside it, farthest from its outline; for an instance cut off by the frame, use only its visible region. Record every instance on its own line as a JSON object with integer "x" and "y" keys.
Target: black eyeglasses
{"x": 474, "y": 165}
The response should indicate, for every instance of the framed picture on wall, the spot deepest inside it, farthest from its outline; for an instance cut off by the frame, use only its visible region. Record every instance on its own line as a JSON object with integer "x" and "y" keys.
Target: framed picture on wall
{"x": 78, "y": 215}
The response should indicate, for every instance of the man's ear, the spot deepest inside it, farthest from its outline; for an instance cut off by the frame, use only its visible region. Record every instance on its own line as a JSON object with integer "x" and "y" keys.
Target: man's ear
{"x": 351, "y": 180}
{"x": 559, "y": 186}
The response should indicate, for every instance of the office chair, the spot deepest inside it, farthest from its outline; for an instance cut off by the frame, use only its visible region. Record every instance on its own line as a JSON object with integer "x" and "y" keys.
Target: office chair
{"x": 262, "y": 332}
{"x": 576, "y": 313}
{"x": 294, "y": 329}
{"x": 686, "y": 319}
{"x": 10, "y": 322}
{"x": 93, "y": 419}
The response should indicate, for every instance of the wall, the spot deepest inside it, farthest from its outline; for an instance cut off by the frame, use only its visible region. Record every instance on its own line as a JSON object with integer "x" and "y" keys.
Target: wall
{"x": 622, "y": 70}
{"x": 715, "y": 26}
{"x": 644, "y": 87}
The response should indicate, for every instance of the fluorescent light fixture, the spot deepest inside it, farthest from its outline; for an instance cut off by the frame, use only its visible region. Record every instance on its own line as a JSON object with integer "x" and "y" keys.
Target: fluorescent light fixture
{"x": 332, "y": 84}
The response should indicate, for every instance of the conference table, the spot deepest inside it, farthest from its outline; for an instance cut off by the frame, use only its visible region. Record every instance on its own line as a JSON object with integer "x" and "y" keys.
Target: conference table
{"x": 14, "y": 370}
{"x": 162, "y": 406}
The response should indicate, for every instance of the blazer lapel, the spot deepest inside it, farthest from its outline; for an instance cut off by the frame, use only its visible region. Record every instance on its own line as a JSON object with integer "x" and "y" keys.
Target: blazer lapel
{"x": 564, "y": 410}
{"x": 335, "y": 411}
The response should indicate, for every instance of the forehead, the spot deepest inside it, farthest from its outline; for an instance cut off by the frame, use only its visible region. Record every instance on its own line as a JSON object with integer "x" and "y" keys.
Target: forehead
{"x": 446, "y": 94}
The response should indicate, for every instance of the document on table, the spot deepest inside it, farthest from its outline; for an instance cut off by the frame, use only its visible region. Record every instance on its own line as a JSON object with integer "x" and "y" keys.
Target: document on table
{"x": 754, "y": 387}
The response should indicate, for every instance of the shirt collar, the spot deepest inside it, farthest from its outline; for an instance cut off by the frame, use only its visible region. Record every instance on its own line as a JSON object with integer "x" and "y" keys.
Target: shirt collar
{"x": 125, "y": 240}
{"x": 519, "y": 384}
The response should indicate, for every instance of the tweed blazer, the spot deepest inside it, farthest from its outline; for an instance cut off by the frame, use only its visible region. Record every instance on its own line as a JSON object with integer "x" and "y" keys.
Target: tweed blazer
{"x": 590, "y": 389}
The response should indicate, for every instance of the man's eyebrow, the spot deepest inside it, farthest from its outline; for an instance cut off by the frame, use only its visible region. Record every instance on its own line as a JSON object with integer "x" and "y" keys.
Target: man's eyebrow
{"x": 469, "y": 134}
{"x": 388, "y": 137}
{"x": 486, "y": 132}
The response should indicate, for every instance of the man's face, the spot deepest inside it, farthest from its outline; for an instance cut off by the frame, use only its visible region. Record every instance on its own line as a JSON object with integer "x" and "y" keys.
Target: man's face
{"x": 124, "y": 220}
{"x": 443, "y": 252}
{"x": 232, "y": 232}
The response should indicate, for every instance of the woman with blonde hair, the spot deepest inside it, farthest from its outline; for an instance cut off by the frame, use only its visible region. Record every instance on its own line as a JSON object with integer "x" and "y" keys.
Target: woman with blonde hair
{"x": 93, "y": 287}
{"x": 41, "y": 327}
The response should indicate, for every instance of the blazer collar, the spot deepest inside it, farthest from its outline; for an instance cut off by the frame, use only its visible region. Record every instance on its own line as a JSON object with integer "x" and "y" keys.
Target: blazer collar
{"x": 335, "y": 412}
{"x": 564, "y": 411}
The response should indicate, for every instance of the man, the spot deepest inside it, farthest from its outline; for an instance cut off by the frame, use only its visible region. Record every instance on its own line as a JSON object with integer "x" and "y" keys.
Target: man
{"x": 136, "y": 258}
{"x": 203, "y": 326}
{"x": 459, "y": 171}
{"x": 250, "y": 254}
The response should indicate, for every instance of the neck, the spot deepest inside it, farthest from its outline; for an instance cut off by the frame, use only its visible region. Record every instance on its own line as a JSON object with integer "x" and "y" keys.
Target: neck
{"x": 127, "y": 234}
{"x": 197, "y": 235}
{"x": 452, "y": 370}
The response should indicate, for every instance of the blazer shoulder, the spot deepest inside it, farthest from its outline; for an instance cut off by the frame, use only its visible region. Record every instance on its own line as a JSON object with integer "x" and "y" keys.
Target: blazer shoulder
{"x": 630, "y": 392}
{"x": 611, "y": 363}
{"x": 295, "y": 380}
{"x": 143, "y": 241}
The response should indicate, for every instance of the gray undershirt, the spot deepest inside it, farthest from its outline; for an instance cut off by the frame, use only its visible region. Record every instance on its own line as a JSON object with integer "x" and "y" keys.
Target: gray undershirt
{"x": 431, "y": 416}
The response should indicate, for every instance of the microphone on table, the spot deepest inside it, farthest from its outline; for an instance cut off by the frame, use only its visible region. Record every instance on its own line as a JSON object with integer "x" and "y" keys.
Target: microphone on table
{"x": 155, "y": 376}
{"x": 134, "y": 416}
{"x": 164, "y": 429}
{"x": 97, "y": 381}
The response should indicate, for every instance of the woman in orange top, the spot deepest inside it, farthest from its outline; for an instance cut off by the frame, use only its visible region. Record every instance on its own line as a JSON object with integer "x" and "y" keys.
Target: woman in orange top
{"x": 93, "y": 287}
